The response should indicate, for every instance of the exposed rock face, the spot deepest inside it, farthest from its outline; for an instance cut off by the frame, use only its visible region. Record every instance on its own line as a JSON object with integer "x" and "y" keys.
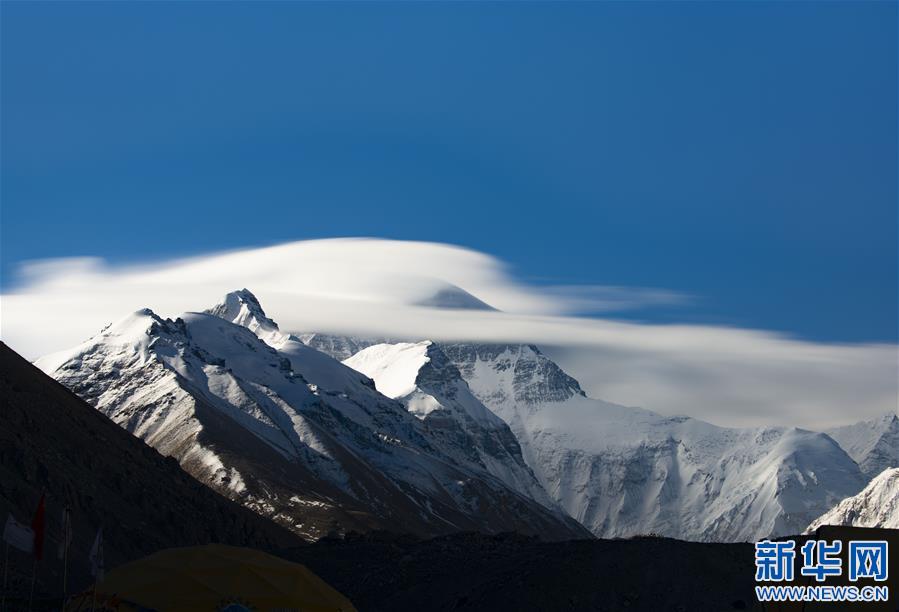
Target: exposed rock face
{"x": 522, "y": 374}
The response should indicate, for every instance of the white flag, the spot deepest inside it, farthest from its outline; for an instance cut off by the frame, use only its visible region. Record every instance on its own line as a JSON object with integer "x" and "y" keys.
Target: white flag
{"x": 18, "y": 535}
{"x": 66, "y": 532}
{"x": 96, "y": 556}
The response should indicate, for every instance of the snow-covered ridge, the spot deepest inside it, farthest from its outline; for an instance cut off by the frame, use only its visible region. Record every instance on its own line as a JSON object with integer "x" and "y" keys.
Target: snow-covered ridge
{"x": 422, "y": 377}
{"x": 877, "y": 505}
{"x": 393, "y": 367}
{"x": 405, "y": 369}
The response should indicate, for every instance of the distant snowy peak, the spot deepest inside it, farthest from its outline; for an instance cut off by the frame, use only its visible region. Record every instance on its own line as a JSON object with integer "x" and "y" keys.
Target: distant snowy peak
{"x": 504, "y": 374}
{"x": 876, "y": 506}
{"x": 873, "y": 444}
{"x": 242, "y": 308}
{"x": 454, "y": 298}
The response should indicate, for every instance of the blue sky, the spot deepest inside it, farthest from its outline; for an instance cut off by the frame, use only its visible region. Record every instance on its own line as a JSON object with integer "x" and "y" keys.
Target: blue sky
{"x": 741, "y": 153}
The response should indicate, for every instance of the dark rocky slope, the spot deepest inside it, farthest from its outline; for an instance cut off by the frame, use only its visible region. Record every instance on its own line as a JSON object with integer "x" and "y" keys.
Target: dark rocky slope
{"x": 472, "y": 572}
{"x": 479, "y": 573}
{"x": 52, "y": 441}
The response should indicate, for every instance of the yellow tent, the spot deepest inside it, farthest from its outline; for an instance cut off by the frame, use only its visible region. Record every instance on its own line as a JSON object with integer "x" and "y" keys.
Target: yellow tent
{"x": 213, "y": 578}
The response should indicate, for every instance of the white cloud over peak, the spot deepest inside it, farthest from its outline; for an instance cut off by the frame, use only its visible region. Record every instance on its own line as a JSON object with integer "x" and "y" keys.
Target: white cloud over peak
{"x": 371, "y": 287}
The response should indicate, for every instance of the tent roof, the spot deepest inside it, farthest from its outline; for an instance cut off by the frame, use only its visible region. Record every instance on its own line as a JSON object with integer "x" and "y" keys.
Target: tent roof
{"x": 212, "y": 577}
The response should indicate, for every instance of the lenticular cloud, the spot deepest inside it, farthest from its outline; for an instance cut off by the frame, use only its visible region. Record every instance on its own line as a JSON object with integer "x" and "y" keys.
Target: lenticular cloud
{"x": 420, "y": 290}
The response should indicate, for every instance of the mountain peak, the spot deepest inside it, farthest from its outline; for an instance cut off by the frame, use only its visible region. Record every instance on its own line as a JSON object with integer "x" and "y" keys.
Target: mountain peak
{"x": 242, "y": 308}
{"x": 454, "y": 298}
{"x": 135, "y": 324}
{"x": 519, "y": 371}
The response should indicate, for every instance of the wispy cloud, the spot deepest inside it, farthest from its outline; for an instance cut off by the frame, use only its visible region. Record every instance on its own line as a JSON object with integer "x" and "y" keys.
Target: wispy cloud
{"x": 369, "y": 286}
{"x": 594, "y": 299}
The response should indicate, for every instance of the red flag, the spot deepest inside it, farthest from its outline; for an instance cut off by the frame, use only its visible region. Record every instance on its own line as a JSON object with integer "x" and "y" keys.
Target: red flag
{"x": 37, "y": 526}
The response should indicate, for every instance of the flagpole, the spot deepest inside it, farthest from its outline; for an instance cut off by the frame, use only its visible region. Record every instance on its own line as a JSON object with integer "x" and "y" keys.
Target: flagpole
{"x": 37, "y": 527}
{"x": 98, "y": 564}
{"x": 5, "y": 570}
{"x": 31, "y": 592}
{"x": 65, "y": 570}
{"x": 65, "y": 553}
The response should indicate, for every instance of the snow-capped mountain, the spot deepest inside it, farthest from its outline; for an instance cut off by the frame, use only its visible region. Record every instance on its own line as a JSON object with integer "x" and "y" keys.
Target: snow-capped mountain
{"x": 423, "y": 379}
{"x": 624, "y": 471}
{"x": 876, "y": 506}
{"x": 285, "y": 429}
{"x": 430, "y": 438}
{"x": 418, "y": 375}
{"x": 873, "y": 444}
